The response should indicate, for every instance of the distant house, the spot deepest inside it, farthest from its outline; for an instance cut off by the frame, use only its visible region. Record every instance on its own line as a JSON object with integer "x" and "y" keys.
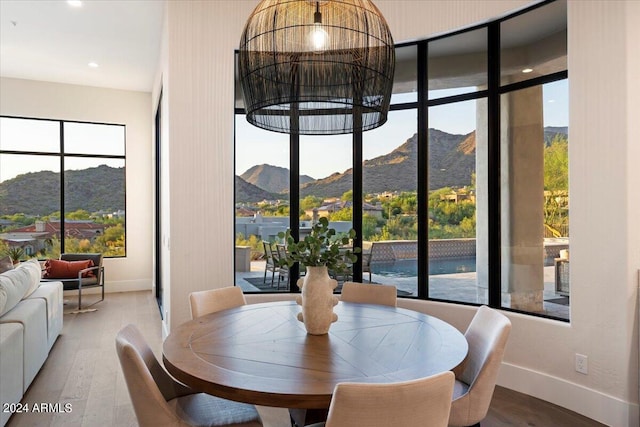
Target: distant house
{"x": 5, "y": 223}
{"x": 328, "y": 208}
{"x": 458, "y": 196}
{"x": 33, "y": 238}
{"x": 244, "y": 212}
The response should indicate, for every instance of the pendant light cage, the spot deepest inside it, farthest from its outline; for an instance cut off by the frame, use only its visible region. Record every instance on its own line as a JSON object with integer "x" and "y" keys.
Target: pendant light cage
{"x": 316, "y": 67}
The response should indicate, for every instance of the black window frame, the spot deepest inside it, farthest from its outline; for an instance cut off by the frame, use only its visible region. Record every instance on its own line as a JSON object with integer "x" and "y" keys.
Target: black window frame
{"x": 492, "y": 93}
{"x": 62, "y": 155}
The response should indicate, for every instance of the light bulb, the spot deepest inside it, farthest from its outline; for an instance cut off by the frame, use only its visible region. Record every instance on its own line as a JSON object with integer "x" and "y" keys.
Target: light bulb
{"x": 319, "y": 38}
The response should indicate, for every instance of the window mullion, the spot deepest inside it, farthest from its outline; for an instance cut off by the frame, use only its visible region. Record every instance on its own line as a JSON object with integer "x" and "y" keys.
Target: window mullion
{"x": 493, "y": 164}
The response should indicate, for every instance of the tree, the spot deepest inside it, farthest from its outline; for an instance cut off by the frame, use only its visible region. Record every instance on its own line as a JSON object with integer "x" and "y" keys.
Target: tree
{"x": 347, "y": 196}
{"x": 310, "y": 202}
{"x": 556, "y": 164}
{"x": 80, "y": 214}
{"x": 369, "y": 226}
{"x": 345, "y": 214}
{"x": 556, "y": 185}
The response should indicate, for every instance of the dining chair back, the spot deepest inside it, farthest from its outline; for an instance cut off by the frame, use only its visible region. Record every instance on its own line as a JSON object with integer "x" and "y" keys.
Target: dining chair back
{"x": 213, "y": 300}
{"x": 476, "y": 377}
{"x": 159, "y": 400}
{"x": 422, "y": 402}
{"x": 366, "y": 293}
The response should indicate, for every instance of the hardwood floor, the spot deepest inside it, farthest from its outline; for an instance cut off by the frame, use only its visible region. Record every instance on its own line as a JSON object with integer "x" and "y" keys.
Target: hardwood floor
{"x": 83, "y": 370}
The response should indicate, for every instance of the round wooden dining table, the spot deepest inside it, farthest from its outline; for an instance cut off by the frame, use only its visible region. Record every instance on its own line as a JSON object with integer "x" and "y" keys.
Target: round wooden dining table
{"x": 261, "y": 354}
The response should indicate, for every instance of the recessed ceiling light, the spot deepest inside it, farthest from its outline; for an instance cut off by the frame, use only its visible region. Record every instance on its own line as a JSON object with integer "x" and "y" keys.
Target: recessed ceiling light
{"x": 527, "y": 70}
{"x": 74, "y": 3}
{"x": 93, "y": 64}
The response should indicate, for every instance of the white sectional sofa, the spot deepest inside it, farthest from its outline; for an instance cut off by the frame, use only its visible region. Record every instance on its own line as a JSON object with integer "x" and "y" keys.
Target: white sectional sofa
{"x": 30, "y": 322}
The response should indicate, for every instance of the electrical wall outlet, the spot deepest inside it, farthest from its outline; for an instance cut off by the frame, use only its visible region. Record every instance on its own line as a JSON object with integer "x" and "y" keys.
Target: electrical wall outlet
{"x": 582, "y": 364}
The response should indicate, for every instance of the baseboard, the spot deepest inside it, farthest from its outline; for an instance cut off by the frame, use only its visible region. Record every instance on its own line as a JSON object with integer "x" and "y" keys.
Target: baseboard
{"x": 591, "y": 403}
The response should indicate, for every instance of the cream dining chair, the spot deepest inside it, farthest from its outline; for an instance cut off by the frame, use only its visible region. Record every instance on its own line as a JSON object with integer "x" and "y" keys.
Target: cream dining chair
{"x": 476, "y": 377}
{"x": 213, "y": 300}
{"x": 159, "y": 400}
{"x": 369, "y": 294}
{"x": 422, "y": 402}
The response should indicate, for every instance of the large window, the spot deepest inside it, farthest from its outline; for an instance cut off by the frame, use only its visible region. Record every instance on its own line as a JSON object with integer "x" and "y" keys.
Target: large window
{"x": 463, "y": 194}
{"x": 62, "y": 187}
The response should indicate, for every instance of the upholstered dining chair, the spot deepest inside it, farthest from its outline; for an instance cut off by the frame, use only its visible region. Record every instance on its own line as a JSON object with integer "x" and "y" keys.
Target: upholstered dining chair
{"x": 369, "y": 294}
{"x": 159, "y": 400}
{"x": 422, "y": 402}
{"x": 213, "y": 300}
{"x": 476, "y": 377}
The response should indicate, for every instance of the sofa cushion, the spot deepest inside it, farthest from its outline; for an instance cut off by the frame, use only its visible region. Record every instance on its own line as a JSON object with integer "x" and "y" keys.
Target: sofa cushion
{"x": 11, "y": 366}
{"x": 51, "y": 293}
{"x": 32, "y": 314}
{"x": 6, "y": 264}
{"x": 35, "y": 274}
{"x": 59, "y": 269}
{"x": 18, "y": 283}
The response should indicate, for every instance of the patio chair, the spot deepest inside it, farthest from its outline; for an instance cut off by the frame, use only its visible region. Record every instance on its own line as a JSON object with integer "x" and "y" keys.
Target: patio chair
{"x": 159, "y": 400}
{"x": 476, "y": 377}
{"x": 283, "y": 271}
{"x": 346, "y": 274}
{"x": 89, "y": 277}
{"x": 422, "y": 402}
{"x": 271, "y": 263}
{"x": 366, "y": 264}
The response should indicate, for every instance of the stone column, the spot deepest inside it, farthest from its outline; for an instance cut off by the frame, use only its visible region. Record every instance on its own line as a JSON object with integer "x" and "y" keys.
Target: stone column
{"x": 482, "y": 201}
{"x": 522, "y": 185}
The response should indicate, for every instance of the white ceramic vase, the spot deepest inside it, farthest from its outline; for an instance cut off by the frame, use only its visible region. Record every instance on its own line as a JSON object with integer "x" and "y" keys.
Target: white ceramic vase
{"x": 317, "y": 300}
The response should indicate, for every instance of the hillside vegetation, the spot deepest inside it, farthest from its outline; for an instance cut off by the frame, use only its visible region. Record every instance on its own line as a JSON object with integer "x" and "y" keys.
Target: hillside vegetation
{"x": 100, "y": 188}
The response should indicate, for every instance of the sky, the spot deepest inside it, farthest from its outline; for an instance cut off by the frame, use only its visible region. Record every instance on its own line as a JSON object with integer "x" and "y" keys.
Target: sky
{"x": 320, "y": 156}
{"x": 43, "y": 136}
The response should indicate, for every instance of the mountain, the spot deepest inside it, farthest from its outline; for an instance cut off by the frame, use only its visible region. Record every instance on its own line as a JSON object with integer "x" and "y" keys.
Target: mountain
{"x": 246, "y": 192}
{"x": 550, "y": 132}
{"x": 451, "y": 163}
{"x": 38, "y": 193}
{"x": 273, "y": 179}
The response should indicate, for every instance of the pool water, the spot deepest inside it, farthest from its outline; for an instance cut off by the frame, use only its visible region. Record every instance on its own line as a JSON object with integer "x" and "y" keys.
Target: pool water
{"x": 409, "y": 268}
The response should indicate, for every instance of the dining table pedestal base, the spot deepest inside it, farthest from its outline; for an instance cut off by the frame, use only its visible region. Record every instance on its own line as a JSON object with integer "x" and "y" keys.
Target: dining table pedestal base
{"x": 303, "y": 417}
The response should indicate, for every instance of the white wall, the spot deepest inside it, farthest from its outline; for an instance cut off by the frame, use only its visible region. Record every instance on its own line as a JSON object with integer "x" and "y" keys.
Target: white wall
{"x": 29, "y": 98}
{"x": 197, "y": 75}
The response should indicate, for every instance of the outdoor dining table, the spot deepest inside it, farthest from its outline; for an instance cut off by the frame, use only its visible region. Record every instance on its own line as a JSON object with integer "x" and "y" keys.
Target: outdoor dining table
{"x": 261, "y": 353}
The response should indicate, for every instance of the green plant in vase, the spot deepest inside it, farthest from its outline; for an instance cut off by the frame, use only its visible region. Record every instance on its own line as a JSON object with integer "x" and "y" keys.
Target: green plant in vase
{"x": 322, "y": 247}
{"x": 15, "y": 254}
{"x": 323, "y": 250}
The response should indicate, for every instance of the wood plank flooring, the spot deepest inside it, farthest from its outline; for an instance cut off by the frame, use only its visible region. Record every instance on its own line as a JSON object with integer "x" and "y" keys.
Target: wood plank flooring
{"x": 83, "y": 371}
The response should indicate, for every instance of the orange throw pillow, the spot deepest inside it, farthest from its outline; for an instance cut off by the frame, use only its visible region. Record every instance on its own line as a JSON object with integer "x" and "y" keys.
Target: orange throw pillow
{"x": 59, "y": 269}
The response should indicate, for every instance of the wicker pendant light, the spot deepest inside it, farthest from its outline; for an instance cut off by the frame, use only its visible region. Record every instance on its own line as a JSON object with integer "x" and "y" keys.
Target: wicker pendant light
{"x": 316, "y": 67}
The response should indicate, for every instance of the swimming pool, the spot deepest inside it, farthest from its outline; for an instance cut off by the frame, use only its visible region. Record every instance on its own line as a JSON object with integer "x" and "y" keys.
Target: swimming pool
{"x": 409, "y": 268}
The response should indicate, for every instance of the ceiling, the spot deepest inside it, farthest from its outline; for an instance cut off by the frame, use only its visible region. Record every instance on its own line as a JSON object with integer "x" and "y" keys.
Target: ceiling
{"x": 50, "y": 40}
